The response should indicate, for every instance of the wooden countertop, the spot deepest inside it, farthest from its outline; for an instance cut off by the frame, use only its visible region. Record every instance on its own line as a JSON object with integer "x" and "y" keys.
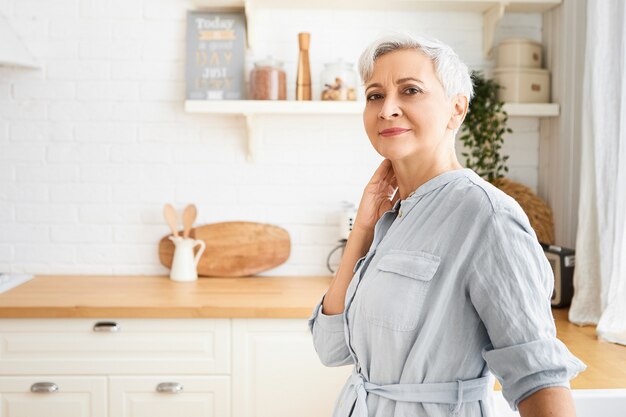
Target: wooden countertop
{"x": 159, "y": 297}
{"x": 254, "y": 297}
{"x": 606, "y": 362}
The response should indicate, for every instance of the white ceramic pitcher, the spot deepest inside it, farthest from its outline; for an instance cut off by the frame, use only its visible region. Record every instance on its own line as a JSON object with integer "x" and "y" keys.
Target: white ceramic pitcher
{"x": 184, "y": 264}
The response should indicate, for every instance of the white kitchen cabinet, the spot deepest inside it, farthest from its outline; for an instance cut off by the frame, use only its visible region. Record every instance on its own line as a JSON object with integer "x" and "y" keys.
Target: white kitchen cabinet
{"x": 167, "y": 396}
{"x": 57, "y": 396}
{"x": 204, "y": 367}
{"x": 114, "y": 346}
{"x": 276, "y": 372}
{"x": 123, "y": 360}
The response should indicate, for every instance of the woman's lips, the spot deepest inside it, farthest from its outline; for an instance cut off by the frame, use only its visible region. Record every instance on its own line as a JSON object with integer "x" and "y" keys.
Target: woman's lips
{"x": 393, "y": 131}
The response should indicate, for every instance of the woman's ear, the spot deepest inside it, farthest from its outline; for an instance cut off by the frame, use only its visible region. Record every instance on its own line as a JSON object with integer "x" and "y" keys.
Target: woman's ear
{"x": 459, "y": 110}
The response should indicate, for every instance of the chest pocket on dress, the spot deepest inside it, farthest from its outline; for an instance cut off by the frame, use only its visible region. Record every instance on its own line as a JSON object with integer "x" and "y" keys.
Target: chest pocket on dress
{"x": 396, "y": 292}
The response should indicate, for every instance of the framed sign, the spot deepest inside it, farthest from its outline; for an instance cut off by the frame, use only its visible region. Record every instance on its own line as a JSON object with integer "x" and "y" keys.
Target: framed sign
{"x": 215, "y": 55}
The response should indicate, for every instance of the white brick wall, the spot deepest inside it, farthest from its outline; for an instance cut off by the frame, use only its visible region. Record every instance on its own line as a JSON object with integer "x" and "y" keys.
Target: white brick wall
{"x": 96, "y": 141}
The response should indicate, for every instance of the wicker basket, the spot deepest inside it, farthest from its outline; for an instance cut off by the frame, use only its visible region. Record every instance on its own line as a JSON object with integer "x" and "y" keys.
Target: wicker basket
{"x": 538, "y": 212}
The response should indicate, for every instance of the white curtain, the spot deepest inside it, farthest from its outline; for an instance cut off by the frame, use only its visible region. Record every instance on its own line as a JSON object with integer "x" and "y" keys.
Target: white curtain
{"x": 600, "y": 272}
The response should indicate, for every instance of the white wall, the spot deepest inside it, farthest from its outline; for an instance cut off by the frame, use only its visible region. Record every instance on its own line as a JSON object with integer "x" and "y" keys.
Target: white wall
{"x": 96, "y": 141}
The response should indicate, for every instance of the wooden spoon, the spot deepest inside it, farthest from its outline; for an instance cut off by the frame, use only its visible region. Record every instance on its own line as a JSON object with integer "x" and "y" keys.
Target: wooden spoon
{"x": 170, "y": 217}
{"x": 189, "y": 216}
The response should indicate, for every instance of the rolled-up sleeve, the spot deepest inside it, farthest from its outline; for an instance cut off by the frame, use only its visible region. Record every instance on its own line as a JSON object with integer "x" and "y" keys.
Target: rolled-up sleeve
{"x": 329, "y": 338}
{"x": 510, "y": 285}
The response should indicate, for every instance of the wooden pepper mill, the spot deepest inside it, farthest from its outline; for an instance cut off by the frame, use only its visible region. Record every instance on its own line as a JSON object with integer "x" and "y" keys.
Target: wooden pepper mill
{"x": 303, "y": 81}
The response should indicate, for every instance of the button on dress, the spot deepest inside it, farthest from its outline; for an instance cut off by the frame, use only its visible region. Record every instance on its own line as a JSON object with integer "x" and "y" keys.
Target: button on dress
{"x": 451, "y": 293}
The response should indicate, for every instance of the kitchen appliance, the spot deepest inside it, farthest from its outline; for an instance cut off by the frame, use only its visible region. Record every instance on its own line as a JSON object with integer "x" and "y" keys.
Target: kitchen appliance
{"x": 562, "y": 261}
{"x": 346, "y": 221}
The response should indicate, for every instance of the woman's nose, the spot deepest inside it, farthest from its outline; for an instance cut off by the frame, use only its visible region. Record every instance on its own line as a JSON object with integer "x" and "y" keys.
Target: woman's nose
{"x": 390, "y": 110}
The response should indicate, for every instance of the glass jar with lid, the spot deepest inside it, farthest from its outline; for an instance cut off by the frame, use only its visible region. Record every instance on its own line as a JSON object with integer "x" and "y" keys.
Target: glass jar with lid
{"x": 268, "y": 80}
{"x": 338, "y": 81}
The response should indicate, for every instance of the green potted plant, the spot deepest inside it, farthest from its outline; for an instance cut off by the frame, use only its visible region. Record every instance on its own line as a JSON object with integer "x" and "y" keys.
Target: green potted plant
{"x": 483, "y": 130}
{"x": 482, "y": 135}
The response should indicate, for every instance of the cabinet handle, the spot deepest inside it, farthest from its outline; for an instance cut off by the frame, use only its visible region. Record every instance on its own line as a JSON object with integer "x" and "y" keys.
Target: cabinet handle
{"x": 106, "y": 326}
{"x": 43, "y": 387}
{"x": 169, "y": 387}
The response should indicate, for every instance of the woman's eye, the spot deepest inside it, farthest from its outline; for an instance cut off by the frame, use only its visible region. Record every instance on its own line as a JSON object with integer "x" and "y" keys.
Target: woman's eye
{"x": 374, "y": 96}
{"x": 412, "y": 90}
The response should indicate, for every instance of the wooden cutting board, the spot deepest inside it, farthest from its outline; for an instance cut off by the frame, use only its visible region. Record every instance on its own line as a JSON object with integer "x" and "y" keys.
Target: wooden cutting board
{"x": 235, "y": 249}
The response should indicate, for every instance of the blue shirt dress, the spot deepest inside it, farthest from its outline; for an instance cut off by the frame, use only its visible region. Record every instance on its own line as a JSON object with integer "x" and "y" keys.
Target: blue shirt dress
{"x": 455, "y": 288}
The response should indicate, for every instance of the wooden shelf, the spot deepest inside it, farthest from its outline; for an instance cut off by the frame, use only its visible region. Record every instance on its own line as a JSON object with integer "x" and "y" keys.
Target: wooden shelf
{"x": 532, "y": 109}
{"x": 492, "y": 10}
{"x": 264, "y": 107}
{"x": 284, "y": 107}
{"x": 250, "y": 109}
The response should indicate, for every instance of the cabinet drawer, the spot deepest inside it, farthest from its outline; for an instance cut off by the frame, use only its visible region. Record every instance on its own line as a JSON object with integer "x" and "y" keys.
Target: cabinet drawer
{"x": 96, "y": 346}
{"x": 73, "y": 396}
{"x": 197, "y": 397}
{"x": 274, "y": 360}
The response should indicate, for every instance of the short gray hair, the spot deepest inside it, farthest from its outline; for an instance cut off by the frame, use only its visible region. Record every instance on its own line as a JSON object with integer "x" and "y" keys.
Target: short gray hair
{"x": 451, "y": 71}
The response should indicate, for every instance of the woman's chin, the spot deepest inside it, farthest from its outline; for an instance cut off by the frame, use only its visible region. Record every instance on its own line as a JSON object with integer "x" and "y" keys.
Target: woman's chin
{"x": 394, "y": 152}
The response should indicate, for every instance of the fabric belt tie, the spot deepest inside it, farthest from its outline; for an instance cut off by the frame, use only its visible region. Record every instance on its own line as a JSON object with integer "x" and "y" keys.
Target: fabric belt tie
{"x": 457, "y": 393}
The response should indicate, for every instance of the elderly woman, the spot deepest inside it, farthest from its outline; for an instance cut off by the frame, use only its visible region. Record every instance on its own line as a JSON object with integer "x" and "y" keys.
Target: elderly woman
{"x": 442, "y": 281}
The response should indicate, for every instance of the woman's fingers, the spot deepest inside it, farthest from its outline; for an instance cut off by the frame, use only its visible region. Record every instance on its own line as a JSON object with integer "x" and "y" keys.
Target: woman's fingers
{"x": 377, "y": 195}
{"x": 390, "y": 174}
{"x": 391, "y": 182}
{"x": 382, "y": 171}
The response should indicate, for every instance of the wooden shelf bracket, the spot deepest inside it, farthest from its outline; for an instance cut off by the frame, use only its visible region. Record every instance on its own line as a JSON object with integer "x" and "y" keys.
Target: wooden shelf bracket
{"x": 491, "y": 18}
